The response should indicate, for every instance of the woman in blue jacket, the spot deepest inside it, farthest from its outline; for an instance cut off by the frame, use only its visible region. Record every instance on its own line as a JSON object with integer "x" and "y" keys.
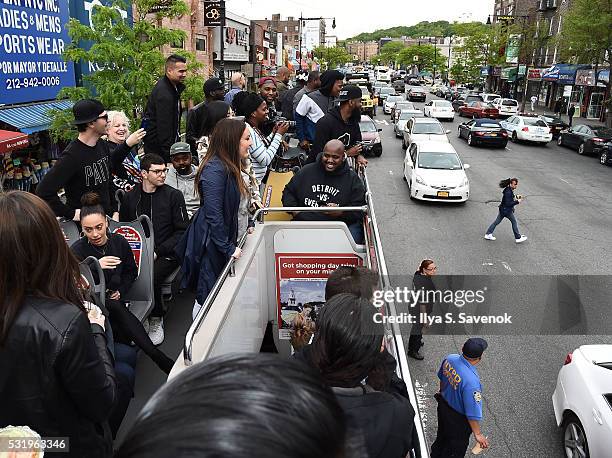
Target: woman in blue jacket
{"x": 212, "y": 236}
{"x": 506, "y": 209}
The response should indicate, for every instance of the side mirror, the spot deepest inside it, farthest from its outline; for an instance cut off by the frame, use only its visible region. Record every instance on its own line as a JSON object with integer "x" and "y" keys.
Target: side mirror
{"x": 466, "y": 166}
{"x": 379, "y": 130}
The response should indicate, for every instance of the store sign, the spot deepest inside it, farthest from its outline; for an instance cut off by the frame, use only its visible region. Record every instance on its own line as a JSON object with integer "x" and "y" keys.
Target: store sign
{"x": 534, "y": 74}
{"x": 484, "y": 71}
{"x": 33, "y": 37}
{"x": 236, "y": 36}
{"x": 585, "y": 78}
{"x": 213, "y": 12}
{"x": 513, "y": 48}
{"x": 497, "y": 71}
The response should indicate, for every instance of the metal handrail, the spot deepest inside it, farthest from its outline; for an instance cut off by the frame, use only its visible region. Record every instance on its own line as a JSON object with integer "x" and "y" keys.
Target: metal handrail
{"x": 265, "y": 210}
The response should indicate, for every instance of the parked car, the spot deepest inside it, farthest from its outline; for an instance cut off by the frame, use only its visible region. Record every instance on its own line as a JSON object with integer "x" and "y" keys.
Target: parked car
{"x": 439, "y": 109}
{"x": 399, "y": 106}
{"x": 383, "y": 93}
{"x": 586, "y": 139}
{"x": 434, "y": 172}
{"x": 416, "y": 94}
{"x": 402, "y": 119}
{"x": 528, "y": 128}
{"x": 506, "y": 107}
{"x": 399, "y": 85}
{"x": 389, "y": 103}
{"x": 483, "y": 132}
{"x": 489, "y": 98}
{"x": 582, "y": 402}
{"x": 479, "y": 110}
{"x": 555, "y": 123}
{"x": 422, "y": 129}
{"x": 370, "y": 136}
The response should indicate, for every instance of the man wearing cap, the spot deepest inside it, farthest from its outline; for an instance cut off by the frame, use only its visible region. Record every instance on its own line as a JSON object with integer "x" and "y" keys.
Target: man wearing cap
{"x": 342, "y": 123}
{"x": 181, "y": 175}
{"x": 162, "y": 116}
{"x": 459, "y": 402}
{"x": 86, "y": 163}
{"x": 196, "y": 117}
{"x": 286, "y": 99}
{"x": 304, "y": 128}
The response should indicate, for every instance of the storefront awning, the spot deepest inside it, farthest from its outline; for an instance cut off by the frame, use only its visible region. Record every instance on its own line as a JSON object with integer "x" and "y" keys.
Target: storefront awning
{"x": 32, "y": 118}
{"x": 562, "y": 73}
{"x": 11, "y": 141}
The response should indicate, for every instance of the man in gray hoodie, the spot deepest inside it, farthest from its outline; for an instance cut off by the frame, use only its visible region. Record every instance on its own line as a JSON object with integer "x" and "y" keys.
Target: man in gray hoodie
{"x": 181, "y": 175}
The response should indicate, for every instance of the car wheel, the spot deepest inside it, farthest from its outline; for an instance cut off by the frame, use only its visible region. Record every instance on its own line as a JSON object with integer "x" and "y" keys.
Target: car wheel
{"x": 404, "y": 146}
{"x": 581, "y": 149}
{"x": 573, "y": 439}
{"x": 505, "y": 144}
{"x": 470, "y": 140}
{"x": 603, "y": 158}
{"x": 560, "y": 140}
{"x": 377, "y": 152}
{"x": 514, "y": 137}
{"x": 404, "y": 175}
{"x": 473, "y": 115}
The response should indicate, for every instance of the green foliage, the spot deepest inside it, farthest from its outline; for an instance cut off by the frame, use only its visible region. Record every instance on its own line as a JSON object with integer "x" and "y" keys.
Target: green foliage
{"x": 333, "y": 57}
{"x": 127, "y": 60}
{"x": 427, "y": 57}
{"x": 422, "y": 29}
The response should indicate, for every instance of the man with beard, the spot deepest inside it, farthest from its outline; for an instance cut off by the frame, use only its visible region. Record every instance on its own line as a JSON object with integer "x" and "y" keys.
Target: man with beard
{"x": 269, "y": 92}
{"x": 341, "y": 123}
{"x": 181, "y": 175}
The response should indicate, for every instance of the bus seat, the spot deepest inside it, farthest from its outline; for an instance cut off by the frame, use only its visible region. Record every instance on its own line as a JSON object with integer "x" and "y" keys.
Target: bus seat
{"x": 140, "y": 295}
{"x": 273, "y": 194}
{"x": 70, "y": 230}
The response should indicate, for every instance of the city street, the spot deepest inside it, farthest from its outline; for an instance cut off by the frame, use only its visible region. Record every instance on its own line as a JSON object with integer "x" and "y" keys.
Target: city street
{"x": 567, "y": 216}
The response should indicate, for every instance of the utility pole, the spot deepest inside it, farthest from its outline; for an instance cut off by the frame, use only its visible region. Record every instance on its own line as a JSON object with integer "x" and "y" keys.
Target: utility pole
{"x": 222, "y": 45}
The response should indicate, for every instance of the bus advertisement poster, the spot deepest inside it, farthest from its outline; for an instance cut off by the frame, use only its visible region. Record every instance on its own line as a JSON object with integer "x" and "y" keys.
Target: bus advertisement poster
{"x": 300, "y": 285}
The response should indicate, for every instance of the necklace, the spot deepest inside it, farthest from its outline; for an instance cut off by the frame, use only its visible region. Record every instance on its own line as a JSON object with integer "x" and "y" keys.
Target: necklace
{"x": 101, "y": 251}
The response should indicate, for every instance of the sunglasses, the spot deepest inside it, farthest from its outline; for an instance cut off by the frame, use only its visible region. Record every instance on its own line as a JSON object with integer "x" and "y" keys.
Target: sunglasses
{"x": 105, "y": 117}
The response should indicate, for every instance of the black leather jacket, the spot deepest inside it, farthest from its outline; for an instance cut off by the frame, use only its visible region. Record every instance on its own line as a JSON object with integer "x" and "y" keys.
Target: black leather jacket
{"x": 57, "y": 377}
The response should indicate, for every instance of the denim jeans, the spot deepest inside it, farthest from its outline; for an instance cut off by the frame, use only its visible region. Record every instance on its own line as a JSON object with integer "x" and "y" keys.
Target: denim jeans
{"x": 356, "y": 230}
{"x": 500, "y": 217}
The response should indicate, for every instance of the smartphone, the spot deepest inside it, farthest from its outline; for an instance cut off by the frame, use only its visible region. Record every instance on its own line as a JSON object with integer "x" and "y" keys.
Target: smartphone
{"x": 144, "y": 124}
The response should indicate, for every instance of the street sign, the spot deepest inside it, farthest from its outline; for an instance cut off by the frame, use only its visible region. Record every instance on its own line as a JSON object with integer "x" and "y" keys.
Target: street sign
{"x": 161, "y": 6}
{"x": 213, "y": 12}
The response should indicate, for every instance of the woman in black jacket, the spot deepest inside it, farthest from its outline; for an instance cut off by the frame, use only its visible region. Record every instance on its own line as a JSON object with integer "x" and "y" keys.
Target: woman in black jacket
{"x": 422, "y": 282}
{"x": 56, "y": 374}
{"x": 506, "y": 209}
{"x": 117, "y": 261}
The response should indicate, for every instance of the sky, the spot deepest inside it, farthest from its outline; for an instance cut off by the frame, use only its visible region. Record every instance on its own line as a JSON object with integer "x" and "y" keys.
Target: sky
{"x": 356, "y": 16}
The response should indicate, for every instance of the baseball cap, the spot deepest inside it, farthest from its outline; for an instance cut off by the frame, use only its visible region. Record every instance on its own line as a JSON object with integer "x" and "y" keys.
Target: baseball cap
{"x": 349, "y": 92}
{"x": 87, "y": 110}
{"x": 180, "y": 148}
{"x": 212, "y": 84}
{"x": 265, "y": 80}
{"x": 474, "y": 347}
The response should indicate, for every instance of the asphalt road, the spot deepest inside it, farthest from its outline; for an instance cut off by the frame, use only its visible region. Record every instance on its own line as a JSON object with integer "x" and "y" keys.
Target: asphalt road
{"x": 567, "y": 216}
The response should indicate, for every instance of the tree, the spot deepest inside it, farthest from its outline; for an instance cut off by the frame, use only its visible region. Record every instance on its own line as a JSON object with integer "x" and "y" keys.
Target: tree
{"x": 586, "y": 37}
{"x": 426, "y": 57}
{"x": 129, "y": 59}
{"x": 333, "y": 57}
{"x": 424, "y": 28}
{"x": 389, "y": 52}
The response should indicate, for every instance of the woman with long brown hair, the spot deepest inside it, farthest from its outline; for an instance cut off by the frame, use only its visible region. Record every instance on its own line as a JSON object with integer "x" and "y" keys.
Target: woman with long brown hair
{"x": 56, "y": 374}
{"x": 212, "y": 237}
{"x": 422, "y": 283}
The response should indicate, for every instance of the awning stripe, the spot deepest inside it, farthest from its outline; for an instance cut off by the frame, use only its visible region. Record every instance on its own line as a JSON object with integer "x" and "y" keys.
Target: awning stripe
{"x": 32, "y": 118}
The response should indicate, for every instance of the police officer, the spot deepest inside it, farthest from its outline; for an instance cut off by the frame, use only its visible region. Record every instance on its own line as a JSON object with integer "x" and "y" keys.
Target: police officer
{"x": 459, "y": 402}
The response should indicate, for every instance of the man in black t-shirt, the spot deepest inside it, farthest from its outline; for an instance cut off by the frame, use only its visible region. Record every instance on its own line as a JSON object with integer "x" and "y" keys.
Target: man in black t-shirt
{"x": 86, "y": 163}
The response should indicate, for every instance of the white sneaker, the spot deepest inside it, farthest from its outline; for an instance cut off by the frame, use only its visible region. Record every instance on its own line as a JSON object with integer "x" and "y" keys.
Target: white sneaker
{"x": 156, "y": 330}
{"x": 489, "y": 237}
{"x": 521, "y": 240}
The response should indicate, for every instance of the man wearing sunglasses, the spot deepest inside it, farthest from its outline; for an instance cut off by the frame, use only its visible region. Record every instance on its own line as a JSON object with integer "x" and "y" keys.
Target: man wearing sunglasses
{"x": 86, "y": 163}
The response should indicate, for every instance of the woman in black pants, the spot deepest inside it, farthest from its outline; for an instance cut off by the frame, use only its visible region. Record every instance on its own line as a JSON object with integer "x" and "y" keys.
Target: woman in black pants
{"x": 422, "y": 281}
{"x": 120, "y": 271}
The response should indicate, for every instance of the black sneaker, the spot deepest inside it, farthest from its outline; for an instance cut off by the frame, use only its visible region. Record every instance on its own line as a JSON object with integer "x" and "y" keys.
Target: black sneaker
{"x": 416, "y": 355}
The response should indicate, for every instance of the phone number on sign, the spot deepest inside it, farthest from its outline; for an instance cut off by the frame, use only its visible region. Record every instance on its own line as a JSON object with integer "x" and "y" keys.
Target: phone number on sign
{"x": 35, "y": 81}
{"x": 56, "y": 444}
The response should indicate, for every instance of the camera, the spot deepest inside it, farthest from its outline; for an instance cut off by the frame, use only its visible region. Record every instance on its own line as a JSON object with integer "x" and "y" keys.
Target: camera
{"x": 270, "y": 123}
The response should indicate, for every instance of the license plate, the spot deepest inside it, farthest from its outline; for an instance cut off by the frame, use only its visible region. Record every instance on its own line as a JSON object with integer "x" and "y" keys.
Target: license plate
{"x": 442, "y": 194}
{"x": 493, "y": 135}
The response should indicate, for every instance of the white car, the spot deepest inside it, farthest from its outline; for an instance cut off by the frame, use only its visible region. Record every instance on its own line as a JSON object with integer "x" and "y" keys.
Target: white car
{"x": 434, "y": 172}
{"x": 403, "y": 118}
{"x": 423, "y": 129}
{"x": 439, "y": 109}
{"x": 529, "y": 128}
{"x": 506, "y": 107}
{"x": 389, "y": 103}
{"x": 582, "y": 402}
{"x": 489, "y": 98}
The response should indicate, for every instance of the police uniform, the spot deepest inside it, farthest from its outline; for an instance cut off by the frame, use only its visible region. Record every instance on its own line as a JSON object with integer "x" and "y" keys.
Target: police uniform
{"x": 459, "y": 400}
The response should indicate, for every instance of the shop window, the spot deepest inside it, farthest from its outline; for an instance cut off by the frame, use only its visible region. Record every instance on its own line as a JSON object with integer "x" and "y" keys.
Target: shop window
{"x": 297, "y": 28}
{"x": 200, "y": 44}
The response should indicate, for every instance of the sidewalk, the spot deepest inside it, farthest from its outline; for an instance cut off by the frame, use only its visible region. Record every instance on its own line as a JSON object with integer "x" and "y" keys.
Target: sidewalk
{"x": 564, "y": 117}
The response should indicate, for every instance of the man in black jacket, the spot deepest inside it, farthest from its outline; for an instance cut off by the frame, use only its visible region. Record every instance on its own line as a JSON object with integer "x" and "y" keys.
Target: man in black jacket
{"x": 162, "y": 117}
{"x": 196, "y": 117}
{"x": 86, "y": 164}
{"x": 329, "y": 182}
{"x": 342, "y": 123}
{"x": 166, "y": 208}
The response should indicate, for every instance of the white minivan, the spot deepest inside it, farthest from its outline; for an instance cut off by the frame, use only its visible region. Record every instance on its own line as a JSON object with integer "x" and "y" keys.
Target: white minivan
{"x": 506, "y": 107}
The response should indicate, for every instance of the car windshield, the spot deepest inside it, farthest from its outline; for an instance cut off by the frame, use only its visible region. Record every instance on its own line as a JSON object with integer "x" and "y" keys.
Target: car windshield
{"x": 367, "y": 126}
{"x": 439, "y": 161}
{"x": 427, "y": 128}
{"x": 552, "y": 119}
{"x": 443, "y": 103}
{"x": 394, "y": 98}
{"x": 510, "y": 103}
{"x": 603, "y": 131}
{"x": 404, "y": 105}
{"x": 364, "y": 91}
{"x": 387, "y": 90}
{"x": 406, "y": 115}
{"x": 534, "y": 122}
{"x": 417, "y": 89}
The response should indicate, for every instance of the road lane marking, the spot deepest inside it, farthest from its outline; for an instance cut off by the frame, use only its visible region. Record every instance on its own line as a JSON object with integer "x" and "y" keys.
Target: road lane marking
{"x": 506, "y": 266}
{"x": 487, "y": 263}
{"x": 565, "y": 181}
